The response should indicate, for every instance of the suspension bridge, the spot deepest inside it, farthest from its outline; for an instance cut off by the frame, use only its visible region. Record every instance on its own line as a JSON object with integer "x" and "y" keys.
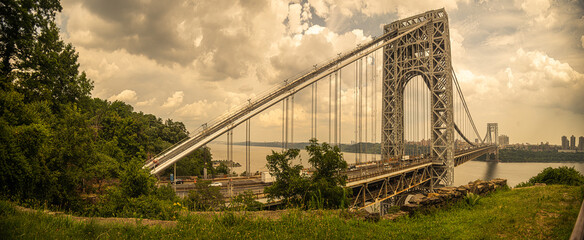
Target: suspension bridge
{"x": 426, "y": 127}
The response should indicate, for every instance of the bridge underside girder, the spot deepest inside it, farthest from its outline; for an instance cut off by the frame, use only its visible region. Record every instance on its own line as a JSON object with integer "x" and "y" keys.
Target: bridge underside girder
{"x": 370, "y": 190}
{"x": 374, "y": 192}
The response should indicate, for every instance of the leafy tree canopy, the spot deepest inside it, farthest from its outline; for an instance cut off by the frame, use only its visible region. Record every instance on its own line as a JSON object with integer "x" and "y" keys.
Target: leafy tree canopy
{"x": 324, "y": 189}
{"x": 561, "y": 175}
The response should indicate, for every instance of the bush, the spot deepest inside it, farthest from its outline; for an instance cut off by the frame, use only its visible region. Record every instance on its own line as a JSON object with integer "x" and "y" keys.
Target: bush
{"x": 162, "y": 204}
{"x": 562, "y": 175}
{"x": 472, "y": 199}
{"x": 205, "y": 197}
{"x": 246, "y": 201}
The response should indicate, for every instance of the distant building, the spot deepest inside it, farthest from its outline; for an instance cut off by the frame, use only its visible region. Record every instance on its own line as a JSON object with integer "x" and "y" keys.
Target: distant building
{"x": 504, "y": 140}
{"x": 565, "y": 143}
{"x": 573, "y": 142}
{"x": 581, "y": 143}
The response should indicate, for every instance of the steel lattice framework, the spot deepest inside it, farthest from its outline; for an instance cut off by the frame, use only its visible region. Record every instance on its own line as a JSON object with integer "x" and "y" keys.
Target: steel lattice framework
{"x": 423, "y": 52}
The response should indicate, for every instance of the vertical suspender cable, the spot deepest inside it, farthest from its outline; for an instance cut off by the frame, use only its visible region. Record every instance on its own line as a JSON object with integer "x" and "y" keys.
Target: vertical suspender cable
{"x": 374, "y": 119}
{"x": 287, "y": 122}
{"x": 336, "y": 111}
{"x": 416, "y": 115}
{"x": 340, "y": 83}
{"x": 330, "y": 107}
{"x": 283, "y": 122}
{"x": 312, "y": 111}
{"x": 366, "y": 105}
{"x": 375, "y": 101}
{"x": 292, "y": 122}
{"x": 360, "y": 105}
{"x": 247, "y": 147}
{"x": 356, "y": 109}
{"x": 315, "y": 109}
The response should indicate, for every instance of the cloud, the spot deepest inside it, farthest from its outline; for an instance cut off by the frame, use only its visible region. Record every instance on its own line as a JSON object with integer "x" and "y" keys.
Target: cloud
{"x": 271, "y": 118}
{"x": 537, "y": 65}
{"x": 148, "y": 102}
{"x": 545, "y": 81}
{"x": 535, "y": 7}
{"x": 532, "y": 79}
{"x": 199, "y": 110}
{"x": 214, "y": 55}
{"x": 175, "y": 100}
{"x": 125, "y": 96}
{"x": 501, "y": 40}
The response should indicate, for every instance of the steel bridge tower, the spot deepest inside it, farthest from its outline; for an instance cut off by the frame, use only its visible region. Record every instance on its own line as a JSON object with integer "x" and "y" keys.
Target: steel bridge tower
{"x": 492, "y": 137}
{"x": 423, "y": 52}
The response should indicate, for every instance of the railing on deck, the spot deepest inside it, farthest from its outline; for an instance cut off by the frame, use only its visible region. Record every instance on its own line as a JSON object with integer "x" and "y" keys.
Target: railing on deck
{"x": 578, "y": 231}
{"x": 380, "y": 170}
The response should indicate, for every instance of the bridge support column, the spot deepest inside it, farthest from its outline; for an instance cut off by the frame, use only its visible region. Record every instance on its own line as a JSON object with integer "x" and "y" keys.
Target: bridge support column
{"x": 423, "y": 52}
{"x": 492, "y": 137}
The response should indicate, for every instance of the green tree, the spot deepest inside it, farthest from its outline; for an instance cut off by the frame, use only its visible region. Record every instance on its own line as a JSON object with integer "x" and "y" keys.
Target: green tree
{"x": 222, "y": 169}
{"x": 328, "y": 179}
{"x": 205, "y": 197}
{"x": 246, "y": 202}
{"x": 136, "y": 181}
{"x": 561, "y": 175}
{"x": 19, "y": 25}
{"x": 289, "y": 185}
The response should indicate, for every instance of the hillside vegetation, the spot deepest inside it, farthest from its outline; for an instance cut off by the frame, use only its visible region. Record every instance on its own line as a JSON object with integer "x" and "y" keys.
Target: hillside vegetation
{"x": 546, "y": 212}
{"x": 63, "y": 149}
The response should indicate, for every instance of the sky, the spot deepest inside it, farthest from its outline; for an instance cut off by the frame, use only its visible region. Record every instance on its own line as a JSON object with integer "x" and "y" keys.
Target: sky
{"x": 519, "y": 63}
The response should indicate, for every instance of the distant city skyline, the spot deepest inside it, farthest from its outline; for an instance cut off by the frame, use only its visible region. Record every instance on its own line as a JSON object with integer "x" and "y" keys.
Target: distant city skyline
{"x": 520, "y": 63}
{"x": 572, "y": 144}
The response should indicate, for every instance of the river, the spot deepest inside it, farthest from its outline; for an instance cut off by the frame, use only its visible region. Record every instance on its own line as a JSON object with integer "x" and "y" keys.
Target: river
{"x": 470, "y": 171}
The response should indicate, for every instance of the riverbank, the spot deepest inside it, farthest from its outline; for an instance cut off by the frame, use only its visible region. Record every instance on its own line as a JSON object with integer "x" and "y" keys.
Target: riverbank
{"x": 542, "y": 212}
{"x": 524, "y": 156}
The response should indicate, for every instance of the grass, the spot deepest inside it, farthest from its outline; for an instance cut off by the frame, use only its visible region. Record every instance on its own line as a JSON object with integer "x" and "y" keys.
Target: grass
{"x": 526, "y": 213}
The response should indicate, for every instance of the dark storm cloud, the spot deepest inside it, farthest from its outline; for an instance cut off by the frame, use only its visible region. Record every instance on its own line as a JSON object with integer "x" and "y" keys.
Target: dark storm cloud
{"x": 216, "y": 36}
{"x": 142, "y": 28}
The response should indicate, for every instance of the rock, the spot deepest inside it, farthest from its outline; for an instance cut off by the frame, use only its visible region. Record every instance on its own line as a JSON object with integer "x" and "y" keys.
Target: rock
{"x": 445, "y": 190}
{"x": 431, "y": 195}
{"x": 499, "y": 182}
{"x": 446, "y": 194}
{"x": 540, "y": 184}
{"x": 409, "y": 207}
{"x": 416, "y": 199}
{"x": 431, "y": 200}
{"x": 462, "y": 190}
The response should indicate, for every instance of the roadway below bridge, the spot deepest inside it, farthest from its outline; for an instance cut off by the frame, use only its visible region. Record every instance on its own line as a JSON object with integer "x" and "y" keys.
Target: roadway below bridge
{"x": 239, "y": 186}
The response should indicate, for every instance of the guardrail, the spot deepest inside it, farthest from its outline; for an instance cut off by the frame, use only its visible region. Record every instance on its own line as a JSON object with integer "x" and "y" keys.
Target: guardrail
{"x": 384, "y": 170}
{"x": 578, "y": 231}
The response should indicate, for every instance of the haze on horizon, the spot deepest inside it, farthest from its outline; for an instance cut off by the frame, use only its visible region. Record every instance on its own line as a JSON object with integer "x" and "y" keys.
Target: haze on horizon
{"x": 520, "y": 63}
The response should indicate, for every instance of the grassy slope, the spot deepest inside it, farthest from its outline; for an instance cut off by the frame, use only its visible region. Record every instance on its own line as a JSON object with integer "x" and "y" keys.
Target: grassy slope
{"x": 529, "y": 213}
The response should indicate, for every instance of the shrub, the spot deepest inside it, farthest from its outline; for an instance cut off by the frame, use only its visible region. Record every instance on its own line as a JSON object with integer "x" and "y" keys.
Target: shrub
{"x": 561, "y": 175}
{"x": 205, "y": 197}
{"x": 161, "y": 204}
{"x": 472, "y": 199}
{"x": 246, "y": 201}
